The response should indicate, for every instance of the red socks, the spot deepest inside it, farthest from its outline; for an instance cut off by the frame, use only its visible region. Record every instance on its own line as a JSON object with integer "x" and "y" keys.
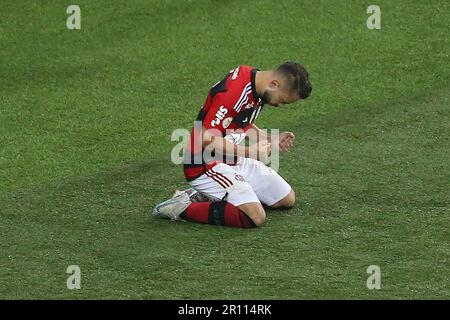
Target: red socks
{"x": 218, "y": 214}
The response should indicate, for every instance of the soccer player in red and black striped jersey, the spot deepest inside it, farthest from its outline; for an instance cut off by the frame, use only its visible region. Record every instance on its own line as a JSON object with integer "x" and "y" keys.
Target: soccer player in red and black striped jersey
{"x": 229, "y": 183}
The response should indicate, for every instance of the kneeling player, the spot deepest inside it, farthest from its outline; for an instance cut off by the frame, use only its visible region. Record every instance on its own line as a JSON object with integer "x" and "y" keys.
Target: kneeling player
{"x": 229, "y": 190}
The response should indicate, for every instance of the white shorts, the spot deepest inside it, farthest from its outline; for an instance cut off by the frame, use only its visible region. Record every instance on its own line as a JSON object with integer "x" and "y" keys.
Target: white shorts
{"x": 248, "y": 181}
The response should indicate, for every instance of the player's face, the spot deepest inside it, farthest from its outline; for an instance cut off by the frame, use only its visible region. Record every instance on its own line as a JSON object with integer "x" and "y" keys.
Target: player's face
{"x": 278, "y": 94}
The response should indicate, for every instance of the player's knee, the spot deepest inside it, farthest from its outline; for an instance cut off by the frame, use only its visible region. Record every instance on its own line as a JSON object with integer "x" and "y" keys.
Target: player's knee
{"x": 290, "y": 199}
{"x": 259, "y": 220}
{"x": 256, "y": 212}
{"x": 258, "y": 215}
{"x": 286, "y": 202}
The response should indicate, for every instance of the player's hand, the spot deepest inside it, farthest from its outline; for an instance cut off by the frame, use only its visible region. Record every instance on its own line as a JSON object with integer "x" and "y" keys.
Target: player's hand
{"x": 261, "y": 150}
{"x": 286, "y": 141}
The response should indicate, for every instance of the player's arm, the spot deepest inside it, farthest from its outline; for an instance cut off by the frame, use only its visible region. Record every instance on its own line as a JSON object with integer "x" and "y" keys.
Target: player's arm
{"x": 213, "y": 141}
{"x": 285, "y": 140}
{"x": 259, "y": 134}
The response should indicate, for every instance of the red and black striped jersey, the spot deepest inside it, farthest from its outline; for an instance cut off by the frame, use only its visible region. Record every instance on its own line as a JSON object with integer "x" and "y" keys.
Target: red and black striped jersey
{"x": 232, "y": 105}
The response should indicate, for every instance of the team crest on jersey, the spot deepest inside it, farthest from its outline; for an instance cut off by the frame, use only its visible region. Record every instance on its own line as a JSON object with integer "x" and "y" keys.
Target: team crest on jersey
{"x": 226, "y": 122}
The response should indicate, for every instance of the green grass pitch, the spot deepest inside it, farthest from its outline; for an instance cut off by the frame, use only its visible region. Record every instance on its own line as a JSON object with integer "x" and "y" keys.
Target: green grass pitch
{"x": 85, "y": 123}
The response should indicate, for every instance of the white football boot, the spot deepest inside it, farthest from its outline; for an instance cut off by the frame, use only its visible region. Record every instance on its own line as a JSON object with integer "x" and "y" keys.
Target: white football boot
{"x": 193, "y": 194}
{"x": 172, "y": 208}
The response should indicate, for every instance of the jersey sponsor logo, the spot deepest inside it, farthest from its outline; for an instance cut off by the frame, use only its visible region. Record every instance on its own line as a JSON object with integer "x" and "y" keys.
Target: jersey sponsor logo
{"x": 220, "y": 115}
{"x": 227, "y": 122}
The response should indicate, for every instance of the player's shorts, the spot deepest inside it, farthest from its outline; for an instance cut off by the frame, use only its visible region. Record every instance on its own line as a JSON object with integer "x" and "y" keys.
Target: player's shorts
{"x": 248, "y": 181}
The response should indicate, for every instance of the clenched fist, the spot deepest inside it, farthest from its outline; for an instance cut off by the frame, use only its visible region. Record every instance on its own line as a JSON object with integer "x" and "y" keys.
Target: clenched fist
{"x": 286, "y": 141}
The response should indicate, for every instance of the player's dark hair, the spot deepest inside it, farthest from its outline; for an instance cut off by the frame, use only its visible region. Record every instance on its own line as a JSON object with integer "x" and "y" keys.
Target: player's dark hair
{"x": 299, "y": 77}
